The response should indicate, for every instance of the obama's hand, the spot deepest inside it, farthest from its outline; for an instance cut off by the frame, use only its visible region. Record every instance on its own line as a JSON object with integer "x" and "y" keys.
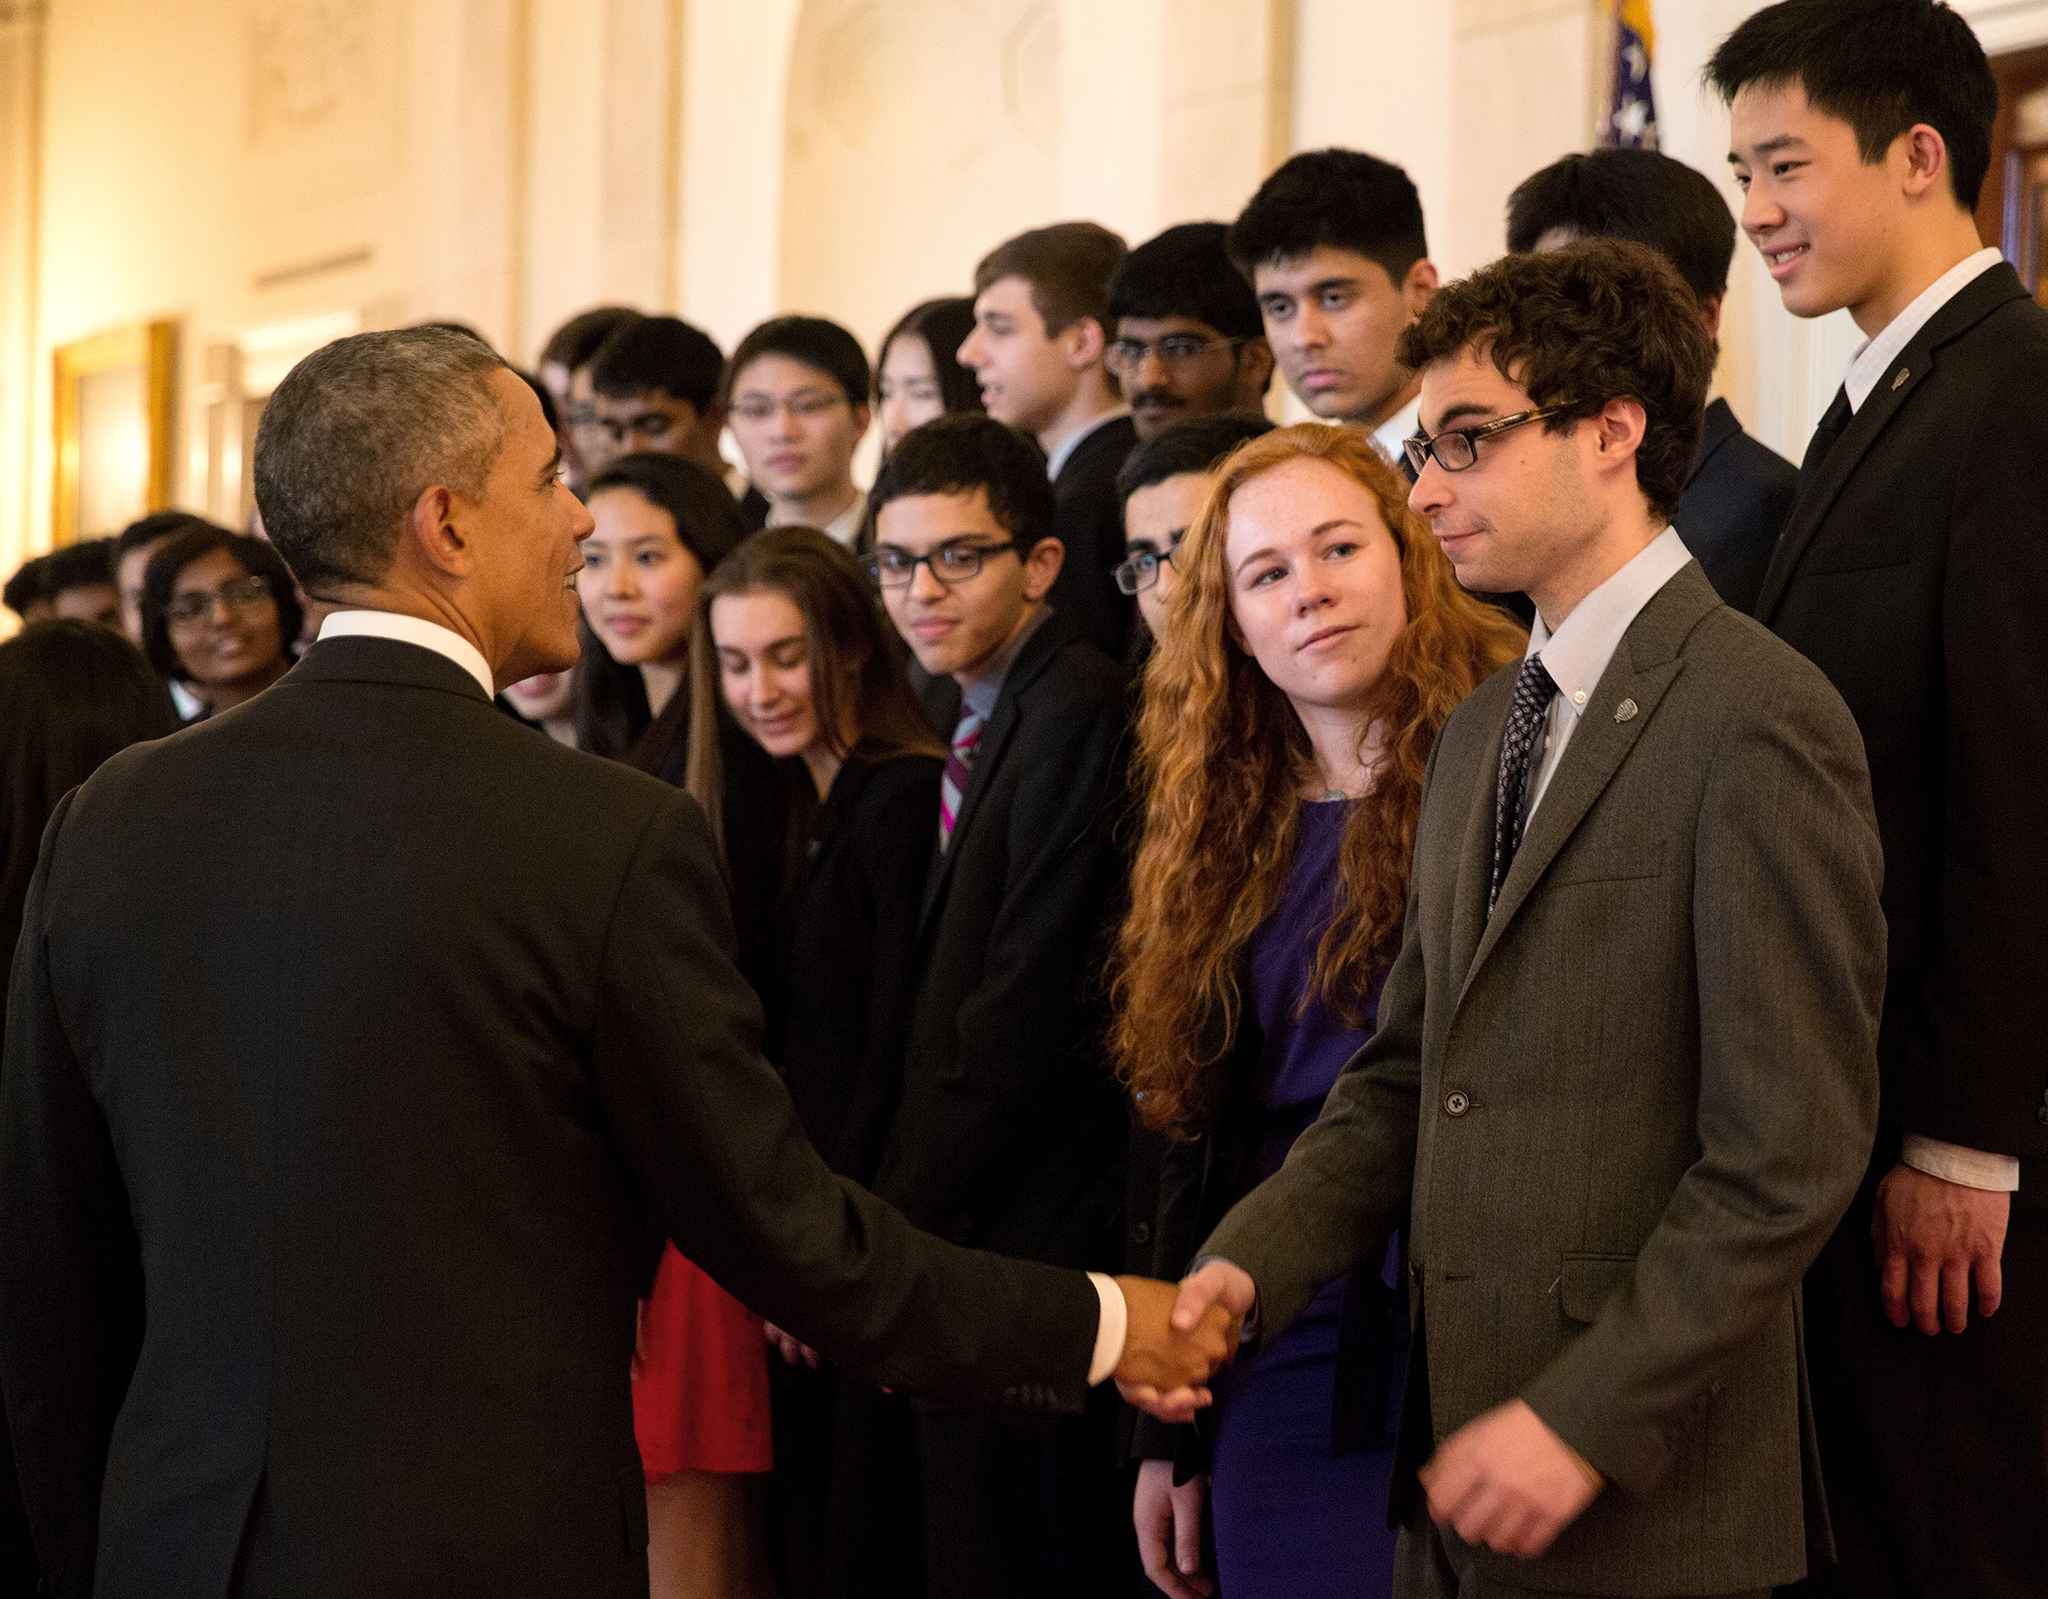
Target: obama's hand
{"x": 1166, "y": 1357}
{"x": 1215, "y": 1298}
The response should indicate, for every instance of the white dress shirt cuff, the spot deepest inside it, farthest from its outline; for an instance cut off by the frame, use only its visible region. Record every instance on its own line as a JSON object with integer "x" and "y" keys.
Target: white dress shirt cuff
{"x": 1110, "y": 1331}
{"x": 1973, "y": 1168}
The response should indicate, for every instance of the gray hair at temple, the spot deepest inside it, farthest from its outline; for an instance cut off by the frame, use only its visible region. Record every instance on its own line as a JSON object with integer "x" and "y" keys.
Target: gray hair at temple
{"x": 358, "y": 431}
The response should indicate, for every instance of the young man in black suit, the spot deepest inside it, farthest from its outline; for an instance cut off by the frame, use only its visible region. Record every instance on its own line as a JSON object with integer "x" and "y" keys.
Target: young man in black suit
{"x": 1914, "y": 571}
{"x": 1188, "y": 341}
{"x": 1010, "y": 1133}
{"x": 1738, "y": 490}
{"x": 1041, "y": 334}
{"x": 339, "y": 1126}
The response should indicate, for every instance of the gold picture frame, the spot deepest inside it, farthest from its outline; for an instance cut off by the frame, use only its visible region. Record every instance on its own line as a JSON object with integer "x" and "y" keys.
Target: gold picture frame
{"x": 115, "y": 399}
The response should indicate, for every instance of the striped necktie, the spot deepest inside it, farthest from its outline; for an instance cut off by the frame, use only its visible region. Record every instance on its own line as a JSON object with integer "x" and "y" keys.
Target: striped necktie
{"x": 954, "y": 783}
{"x": 1534, "y": 690}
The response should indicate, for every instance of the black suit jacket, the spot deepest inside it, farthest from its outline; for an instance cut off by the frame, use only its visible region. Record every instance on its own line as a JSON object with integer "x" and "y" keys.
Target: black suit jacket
{"x": 1735, "y": 500}
{"x": 1010, "y": 1131}
{"x": 1091, "y": 526}
{"x": 353, "y": 1041}
{"x": 1914, "y": 572}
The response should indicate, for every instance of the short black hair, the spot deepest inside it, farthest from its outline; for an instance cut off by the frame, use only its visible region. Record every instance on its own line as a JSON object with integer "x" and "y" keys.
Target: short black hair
{"x": 77, "y": 566}
{"x": 943, "y": 324}
{"x": 258, "y": 560}
{"x": 815, "y": 341}
{"x": 707, "y": 520}
{"x": 157, "y": 525}
{"x": 1186, "y": 271}
{"x": 26, "y": 587}
{"x": 959, "y": 454}
{"x": 661, "y": 353}
{"x": 1196, "y": 445}
{"x": 573, "y": 343}
{"x": 1879, "y": 65}
{"x": 1340, "y": 199}
{"x": 1631, "y": 194}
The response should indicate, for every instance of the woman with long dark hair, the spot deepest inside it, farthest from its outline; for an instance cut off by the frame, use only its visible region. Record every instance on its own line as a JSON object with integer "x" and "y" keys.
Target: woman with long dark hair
{"x": 918, "y": 375}
{"x": 72, "y": 694}
{"x": 1315, "y": 642}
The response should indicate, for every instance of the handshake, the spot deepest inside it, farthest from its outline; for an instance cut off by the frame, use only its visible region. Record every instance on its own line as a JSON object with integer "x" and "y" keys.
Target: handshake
{"x": 1176, "y": 1337}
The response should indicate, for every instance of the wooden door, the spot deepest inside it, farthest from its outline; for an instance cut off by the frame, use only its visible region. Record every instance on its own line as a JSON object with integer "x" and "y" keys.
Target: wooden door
{"x": 2012, "y": 213}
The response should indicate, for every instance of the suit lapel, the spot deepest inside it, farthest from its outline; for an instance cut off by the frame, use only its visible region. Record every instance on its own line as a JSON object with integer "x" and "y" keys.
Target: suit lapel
{"x": 1644, "y": 666}
{"x": 1817, "y": 496}
{"x": 1475, "y": 846}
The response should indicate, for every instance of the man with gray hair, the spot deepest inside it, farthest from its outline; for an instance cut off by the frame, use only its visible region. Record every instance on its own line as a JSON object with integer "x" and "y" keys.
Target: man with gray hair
{"x": 339, "y": 1123}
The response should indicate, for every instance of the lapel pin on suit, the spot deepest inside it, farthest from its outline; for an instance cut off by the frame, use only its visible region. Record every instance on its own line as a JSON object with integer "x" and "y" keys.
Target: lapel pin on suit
{"x": 1901, "y": 378}
{"x": 1625, "y": 711}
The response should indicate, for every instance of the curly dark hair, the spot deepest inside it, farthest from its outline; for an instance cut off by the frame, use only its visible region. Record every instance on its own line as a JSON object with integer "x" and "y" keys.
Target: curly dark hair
{"x": 1599, "y": 320}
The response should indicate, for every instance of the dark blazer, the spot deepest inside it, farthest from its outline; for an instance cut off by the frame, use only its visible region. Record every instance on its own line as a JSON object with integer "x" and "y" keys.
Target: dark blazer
{"x": 1913, "y": 571}
{"x": 330, "y": 1124}
{"x": 1010, "y": 1129}
{"x": 843, "y": 940}
{"x": 1734, "y": 502}
{"x": 1631, "y": 1104}
{"x": 1091, "y": 526}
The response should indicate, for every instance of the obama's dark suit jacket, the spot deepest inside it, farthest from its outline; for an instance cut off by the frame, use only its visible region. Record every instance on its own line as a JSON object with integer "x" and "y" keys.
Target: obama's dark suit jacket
{"x": 358, "y": 1042}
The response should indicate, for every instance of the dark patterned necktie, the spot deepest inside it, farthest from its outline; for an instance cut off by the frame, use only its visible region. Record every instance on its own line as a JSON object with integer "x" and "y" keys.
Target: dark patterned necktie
{"x": 1833, "y": 423}
{"x": 1534, "y": 690}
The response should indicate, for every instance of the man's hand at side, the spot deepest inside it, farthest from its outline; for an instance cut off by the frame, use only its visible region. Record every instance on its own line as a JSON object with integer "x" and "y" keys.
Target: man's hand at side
{"x": 1167, "y": 1359}
{"x": 1931, "y": 1235}
{"x": 1507, "y": 1481}
{"x": 1217, "y": 1298}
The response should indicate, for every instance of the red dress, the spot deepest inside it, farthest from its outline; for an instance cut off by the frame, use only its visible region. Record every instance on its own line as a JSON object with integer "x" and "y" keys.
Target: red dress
{"x": 700, "y": 1397}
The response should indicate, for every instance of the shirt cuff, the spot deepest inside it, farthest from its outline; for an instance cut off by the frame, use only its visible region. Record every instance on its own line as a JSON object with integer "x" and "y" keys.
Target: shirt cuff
{"x": 1110, "y": 1331}
{"x": 1972, "y": 1168}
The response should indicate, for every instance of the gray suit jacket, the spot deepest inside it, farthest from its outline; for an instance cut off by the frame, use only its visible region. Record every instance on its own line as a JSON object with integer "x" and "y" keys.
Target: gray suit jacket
{"x": 1631, "y": 1105}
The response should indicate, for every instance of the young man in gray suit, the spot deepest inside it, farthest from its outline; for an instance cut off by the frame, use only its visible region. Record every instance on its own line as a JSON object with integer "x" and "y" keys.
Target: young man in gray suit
{"x": 1625, "y": 1067}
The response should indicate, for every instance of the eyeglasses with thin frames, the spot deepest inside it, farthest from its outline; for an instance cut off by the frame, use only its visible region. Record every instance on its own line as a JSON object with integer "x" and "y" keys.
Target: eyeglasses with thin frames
{"x": 1125, "y": 356}
{"x": 1457, "y": 449}
{"x": 801, "y": 406}
{"x": 892, "y": 567}
{"x": 237, "y": 594}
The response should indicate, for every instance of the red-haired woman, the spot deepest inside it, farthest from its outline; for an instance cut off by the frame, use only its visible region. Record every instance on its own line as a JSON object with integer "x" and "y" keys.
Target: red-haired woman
{"x": 1316, "y": 641}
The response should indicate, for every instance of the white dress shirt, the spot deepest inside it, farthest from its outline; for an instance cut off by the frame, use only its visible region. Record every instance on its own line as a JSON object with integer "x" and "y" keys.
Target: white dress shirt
{"x": 412, "y": 630}
{"x": 1113, "y": 1325}
{"x": 1874, "y": 360}
{"x": 1393, "y": 434}
{"x": 1955, "y": 1163}
{"x": 1577, "y": 654}
{"x": 844, "y": 528}
{"x": 1057, "y": 461}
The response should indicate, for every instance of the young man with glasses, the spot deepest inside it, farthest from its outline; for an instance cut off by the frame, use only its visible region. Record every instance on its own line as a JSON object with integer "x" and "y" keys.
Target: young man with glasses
{"x": 564, "y": 368}
{"x": 1009, "y": 1131}
{"x": 654, "y": 387}
{"x": 1188, "y": 337}
{"x": 1334, "y": 248}
{"x": 1624, "y": 1079}
{"x": 1163, "y": 486}
{"x": 1041, "y": 321}
{"x": 796, "y": 399}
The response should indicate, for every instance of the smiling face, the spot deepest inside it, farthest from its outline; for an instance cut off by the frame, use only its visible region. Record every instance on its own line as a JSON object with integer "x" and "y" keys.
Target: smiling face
{"x": 1334, "y": 320}
{"x": 796, "y": 427}
{"x": 1027, "y": 378}
{"x": 1315, "y": 583}
{"x": 764, "y": 671}
{"x": 639, "y": 581}
{"x": 909, "y": 387}
{"x": 957, "y": 629}
{"x": 233, "y": 638}
{"x": 1156, "y": 518}
{"x": 1827, "y": 224}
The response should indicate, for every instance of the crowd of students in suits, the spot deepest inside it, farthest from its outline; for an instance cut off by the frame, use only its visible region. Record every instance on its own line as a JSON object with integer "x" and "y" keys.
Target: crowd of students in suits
{"x": 1067, "y": 783}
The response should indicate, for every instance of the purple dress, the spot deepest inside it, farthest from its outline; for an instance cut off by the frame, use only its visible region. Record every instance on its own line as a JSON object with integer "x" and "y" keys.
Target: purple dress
{"x": 1292, "y": 1519}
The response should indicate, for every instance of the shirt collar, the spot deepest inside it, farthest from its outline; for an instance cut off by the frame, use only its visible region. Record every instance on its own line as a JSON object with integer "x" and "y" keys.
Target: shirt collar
{"x": 412, "y": 630}
{"x": 1870, "y": 362}
{"x": 1072, "y": 442}
{"x": 844, "y": 528}
{"x": 1578, "y": 652}
{"x": 988, "y": 688}
{"x": 1393, "y": 434}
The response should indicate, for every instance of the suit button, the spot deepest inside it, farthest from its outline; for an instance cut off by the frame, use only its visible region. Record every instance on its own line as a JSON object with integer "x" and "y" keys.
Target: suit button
{"x": 1141, "y": 1233}
{"x": 1456, "y": 1104}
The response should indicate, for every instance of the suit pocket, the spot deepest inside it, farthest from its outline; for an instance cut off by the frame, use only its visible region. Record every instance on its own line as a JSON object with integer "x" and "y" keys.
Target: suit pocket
{"x": 1589, "y": 1281}
{"x": 1611, "y": 862}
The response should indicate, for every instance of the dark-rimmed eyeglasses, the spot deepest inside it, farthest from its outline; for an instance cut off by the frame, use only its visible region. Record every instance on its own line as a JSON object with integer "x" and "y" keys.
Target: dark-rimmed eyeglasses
{"x": 1141, "y": 571}
{"x": 891, "y": 567}
{"x": 1125, "y": 356}
{"x": 237, "y": 594}
{"x": 1457, "y": 449}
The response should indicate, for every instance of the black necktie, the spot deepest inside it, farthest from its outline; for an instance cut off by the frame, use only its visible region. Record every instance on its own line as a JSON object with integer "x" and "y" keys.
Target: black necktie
{"x": 1533, "y": 692}
{"x": 1834, "y": 421}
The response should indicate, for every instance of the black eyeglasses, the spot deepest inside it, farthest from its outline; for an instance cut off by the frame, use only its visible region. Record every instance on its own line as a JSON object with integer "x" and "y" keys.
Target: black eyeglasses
{"x": 891, "y": 567}
{"x": 237, "y": 594}
{"x": 1141, "y": 571}
{"x": 1125, "y": 356}
{"x": 1456, "y": 449}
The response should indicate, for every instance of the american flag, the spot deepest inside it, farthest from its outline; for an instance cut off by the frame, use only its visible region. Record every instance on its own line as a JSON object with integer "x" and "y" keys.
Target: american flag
{"x": 1631, "y": 119}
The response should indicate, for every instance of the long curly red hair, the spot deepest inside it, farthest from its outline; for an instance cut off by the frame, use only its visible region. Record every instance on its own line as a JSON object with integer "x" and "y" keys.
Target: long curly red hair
{"x": 1220, "y": 756}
